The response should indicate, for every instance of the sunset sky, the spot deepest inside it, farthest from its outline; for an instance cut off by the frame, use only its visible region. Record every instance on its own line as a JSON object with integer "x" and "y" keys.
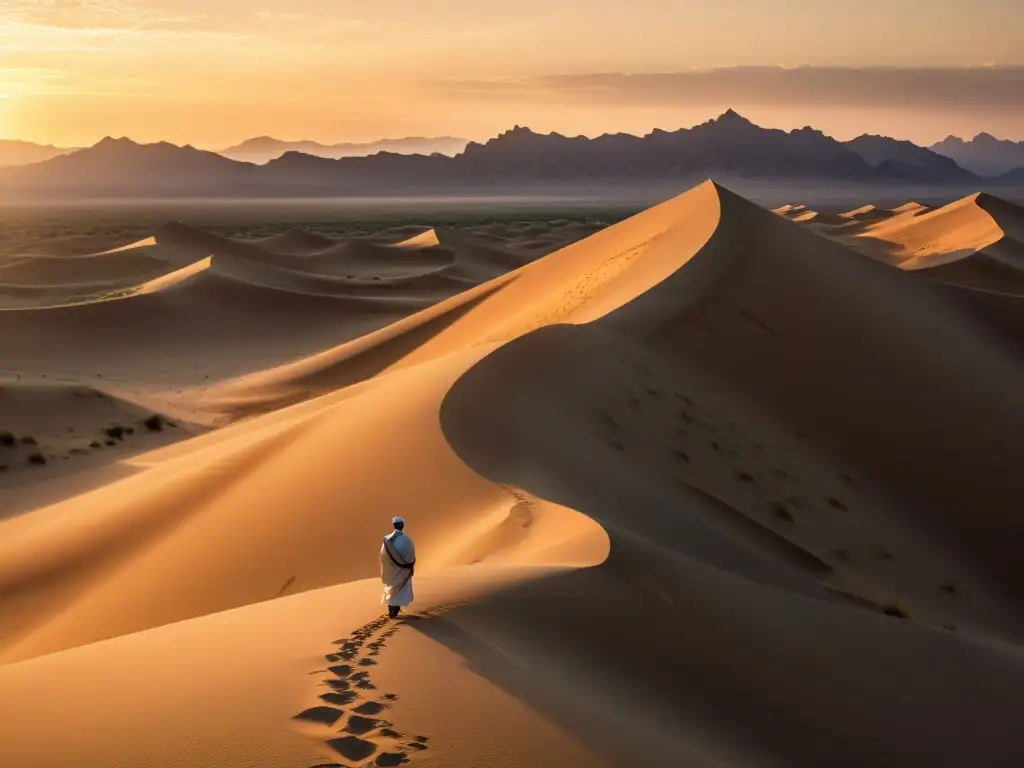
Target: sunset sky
{"x": 213, "y": 72}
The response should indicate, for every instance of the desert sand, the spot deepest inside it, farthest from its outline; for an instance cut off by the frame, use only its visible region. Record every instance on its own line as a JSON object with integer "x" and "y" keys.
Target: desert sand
{"x": 705, "y": 487}
{"x": 974, "y": 248}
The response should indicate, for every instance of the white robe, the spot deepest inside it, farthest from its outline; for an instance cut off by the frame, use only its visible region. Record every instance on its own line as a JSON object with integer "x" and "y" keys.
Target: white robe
{"x": 397, "y": 581}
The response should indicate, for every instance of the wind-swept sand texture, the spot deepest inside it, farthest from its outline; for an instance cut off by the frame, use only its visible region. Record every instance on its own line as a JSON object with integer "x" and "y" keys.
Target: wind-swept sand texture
{"x": 700, "y": 489}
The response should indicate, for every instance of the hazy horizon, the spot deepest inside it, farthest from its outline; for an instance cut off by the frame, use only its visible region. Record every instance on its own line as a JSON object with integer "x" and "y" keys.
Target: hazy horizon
{"x": 74, "y": 71}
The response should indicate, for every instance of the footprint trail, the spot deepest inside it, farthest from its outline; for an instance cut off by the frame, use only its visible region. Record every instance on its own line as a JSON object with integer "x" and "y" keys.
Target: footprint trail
{"x": 350, "y": 711}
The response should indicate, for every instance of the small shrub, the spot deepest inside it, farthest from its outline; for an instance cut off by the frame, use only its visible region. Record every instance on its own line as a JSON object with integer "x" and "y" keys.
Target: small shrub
{"x": 780, "y": 510}
{"x": 843, "y": 555}
{"x": 3, "y": 468}
{"x": 715, "y": 444}
{"x": 95, "y": 444}
{"x": 37, "y": 458}
{"x": 745, "y": 477}
{"x": 116, "y": 432}
{"x": 846, "y": 478}
{"x": 885, "y": 554}
{"x": 781, "y": 474}
{"x": 949, "y": 627}
{"x": 617, "y": 445}
{"x": 7, "y": 439}
{"x": 892, "y": 609}
{"x": 110, "y": 443}
{"x": 681, "y": 456}
{"x": 948, "y": 587}
{"x": 29, "y": 440}
{"x": 154, "y": 423}
{"x": 836, "y": 504}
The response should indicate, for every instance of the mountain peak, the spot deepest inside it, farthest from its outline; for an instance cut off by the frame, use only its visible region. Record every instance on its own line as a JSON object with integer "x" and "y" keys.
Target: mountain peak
{"x": 110, "y": 141}
{"x": 518, "y": 130}
{"x": 731, "y": 117}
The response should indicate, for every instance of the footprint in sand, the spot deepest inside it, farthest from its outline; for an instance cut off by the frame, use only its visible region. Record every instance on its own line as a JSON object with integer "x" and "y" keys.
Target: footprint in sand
{"x": 322, "y": 715}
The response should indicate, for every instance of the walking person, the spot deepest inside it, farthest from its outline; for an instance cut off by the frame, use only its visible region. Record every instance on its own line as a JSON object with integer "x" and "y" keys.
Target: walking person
{"x": 397, "y": 561}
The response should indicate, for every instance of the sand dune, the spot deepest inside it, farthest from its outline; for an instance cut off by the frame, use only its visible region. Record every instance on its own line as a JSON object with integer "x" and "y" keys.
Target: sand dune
{"x": 814, "y": 217}
{"x": 868, "y": 213}
{"x": 976, "y": 242}
{"x": 184, "y": 294}
{"x": 297, "y": 242}
{"x": 665, "y": 483}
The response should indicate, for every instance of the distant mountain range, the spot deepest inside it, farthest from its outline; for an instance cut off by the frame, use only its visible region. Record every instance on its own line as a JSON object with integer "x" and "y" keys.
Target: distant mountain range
{"x": 729, "y": 146}
{"x": 906, "y": 160}
{"x": 264, "y": 148}
{"x": 984, "y": 154}
{"x": 25, "y": 152}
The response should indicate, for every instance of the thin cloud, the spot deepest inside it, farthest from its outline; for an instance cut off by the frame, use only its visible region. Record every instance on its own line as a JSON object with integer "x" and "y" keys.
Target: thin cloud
{"x": 988, "y": 87}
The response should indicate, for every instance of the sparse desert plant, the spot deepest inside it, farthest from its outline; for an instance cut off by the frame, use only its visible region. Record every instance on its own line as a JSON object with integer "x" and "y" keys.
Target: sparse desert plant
{"x": 949, "y": 627}
{"x": 846, "y": 478}
{"x": 681, "y": 455}
{"x": 36, "y": 458}
{"x": 116, "y": 432}
{"x": 745, "y": 477}
{"x": 154, "y": 423}
{"x": 110, "y": 443}
{"x": 781, "y": 511}
{"x": 837, "y": 504}
{"x": 617, "y": 445}
{"x": 843, "y": 555}
{"x": 781, "y": 474}
{"x": 895, "y": 610}
{"x": 3, "y": 468}
{"x": 7, "y": 439}
{"x": 948, "y": 587}
{"x": 29, "y": 440}
{"x": 95, "y": 444}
